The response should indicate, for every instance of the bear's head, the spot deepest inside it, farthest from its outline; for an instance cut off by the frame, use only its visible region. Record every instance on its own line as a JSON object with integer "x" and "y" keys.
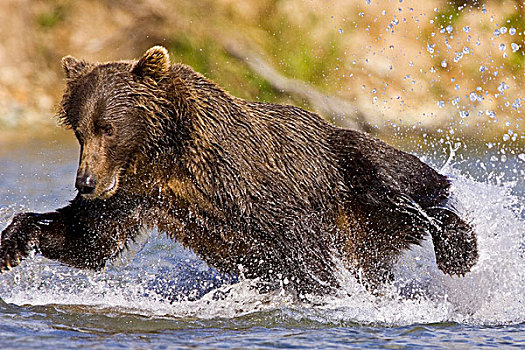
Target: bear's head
{"x": 109, "y": 107}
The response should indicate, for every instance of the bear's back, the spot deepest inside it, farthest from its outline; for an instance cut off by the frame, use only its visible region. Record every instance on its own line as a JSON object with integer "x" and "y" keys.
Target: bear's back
{"x": 263, "y": 153}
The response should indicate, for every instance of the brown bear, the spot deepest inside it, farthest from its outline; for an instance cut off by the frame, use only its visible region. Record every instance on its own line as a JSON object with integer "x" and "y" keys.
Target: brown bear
{"x": 256, "y": 189}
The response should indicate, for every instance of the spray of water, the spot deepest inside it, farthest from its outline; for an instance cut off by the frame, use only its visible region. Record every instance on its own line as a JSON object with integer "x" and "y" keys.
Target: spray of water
{"x": 492, "y": 293}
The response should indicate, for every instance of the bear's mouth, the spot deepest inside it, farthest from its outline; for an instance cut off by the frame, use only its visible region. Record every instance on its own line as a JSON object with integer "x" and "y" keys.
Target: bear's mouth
{"x": 106, "y": 191}
{"x": 112, "y": 188}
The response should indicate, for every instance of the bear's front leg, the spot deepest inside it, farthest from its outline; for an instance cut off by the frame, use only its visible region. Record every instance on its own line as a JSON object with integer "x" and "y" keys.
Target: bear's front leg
{"x": 19, "y": 239}
{"x": 84, "y": 234}
{"x": 46, "y": 233}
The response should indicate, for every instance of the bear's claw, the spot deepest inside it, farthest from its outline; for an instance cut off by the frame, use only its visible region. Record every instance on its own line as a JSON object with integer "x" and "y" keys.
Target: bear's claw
{"x": 18, "y": 240}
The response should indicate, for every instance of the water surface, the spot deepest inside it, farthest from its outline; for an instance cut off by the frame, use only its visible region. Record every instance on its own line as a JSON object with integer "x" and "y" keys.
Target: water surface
{"x": 163, "y": 296}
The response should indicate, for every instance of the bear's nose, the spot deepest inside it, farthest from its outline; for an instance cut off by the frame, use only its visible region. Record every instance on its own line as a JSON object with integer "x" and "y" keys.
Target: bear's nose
{"x": 86, "y": 183}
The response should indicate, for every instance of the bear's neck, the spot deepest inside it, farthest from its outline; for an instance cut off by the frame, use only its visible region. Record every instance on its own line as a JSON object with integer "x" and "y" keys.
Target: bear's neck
{"x": 191, "y": 114}
{"x": 190, "y": 110}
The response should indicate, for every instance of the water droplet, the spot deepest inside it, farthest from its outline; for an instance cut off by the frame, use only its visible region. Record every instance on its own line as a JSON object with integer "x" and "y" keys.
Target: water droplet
{"x": 430, "y": 47}
{"x": 444, "y": 64}
{"x": 466, "y": 29}
{"x": 503, "y": 30}
{"x": 502, "y": 47}
{"x": 473, "y": 96}
{"x": 450, "y": 28}
{"x": 368, "y": 2}
{"x": 466, "y": 50}
{"x": 496, "y": 33}
{"x": 512, "y": 31}
{"x": 441, "y": 104}
{"x": 456, "y": 87}
{"x": 515, "y": 47}
{"x": 340, "y": 31}
{"x": 482, "y": 68}
{"x": 516, "y": 103}
{"x": 502, "y": 87}
{"x": 506, "y": 137}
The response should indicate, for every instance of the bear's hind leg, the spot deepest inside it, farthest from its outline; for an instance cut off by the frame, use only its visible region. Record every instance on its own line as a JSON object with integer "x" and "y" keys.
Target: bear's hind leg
{"x": 455, "y": 243}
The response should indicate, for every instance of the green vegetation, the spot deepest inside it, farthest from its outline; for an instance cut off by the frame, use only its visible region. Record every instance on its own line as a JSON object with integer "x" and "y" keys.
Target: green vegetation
{"x": 517, "y": 23}
{"x": 52, "y": 17}
{"x": 448, "y": 16}
{"x": 210, "y": 59}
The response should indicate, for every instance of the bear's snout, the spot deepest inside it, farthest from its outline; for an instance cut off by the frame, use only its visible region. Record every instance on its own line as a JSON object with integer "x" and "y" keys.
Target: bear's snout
{"x": 86, "y": 183}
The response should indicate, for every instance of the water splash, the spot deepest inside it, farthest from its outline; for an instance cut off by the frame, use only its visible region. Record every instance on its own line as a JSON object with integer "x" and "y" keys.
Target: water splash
{"x": 493, "y": 293}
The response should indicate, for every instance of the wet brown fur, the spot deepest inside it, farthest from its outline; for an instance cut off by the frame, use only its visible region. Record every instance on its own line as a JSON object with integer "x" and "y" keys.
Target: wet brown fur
{"x": 256, "y": 189}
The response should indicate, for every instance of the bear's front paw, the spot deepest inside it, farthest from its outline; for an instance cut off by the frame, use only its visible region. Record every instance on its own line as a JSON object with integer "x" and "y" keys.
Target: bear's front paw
{"x": 18, "y": 240}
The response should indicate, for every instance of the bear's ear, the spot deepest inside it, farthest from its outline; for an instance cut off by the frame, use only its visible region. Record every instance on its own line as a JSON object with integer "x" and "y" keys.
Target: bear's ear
{"x": 73, "y": 67}
{"x": 155, "y": 64}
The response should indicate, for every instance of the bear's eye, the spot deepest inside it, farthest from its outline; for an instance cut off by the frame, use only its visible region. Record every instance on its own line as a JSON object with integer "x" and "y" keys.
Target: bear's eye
{"x": 108, "y": 130}
{"x": 104, "y": 129}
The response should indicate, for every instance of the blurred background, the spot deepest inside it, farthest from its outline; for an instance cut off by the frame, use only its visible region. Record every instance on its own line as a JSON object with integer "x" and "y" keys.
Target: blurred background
{"x": 431, "y": 71}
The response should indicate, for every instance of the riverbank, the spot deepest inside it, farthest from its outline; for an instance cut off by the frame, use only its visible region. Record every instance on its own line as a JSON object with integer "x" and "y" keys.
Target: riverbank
{"x": 442, "y": 68}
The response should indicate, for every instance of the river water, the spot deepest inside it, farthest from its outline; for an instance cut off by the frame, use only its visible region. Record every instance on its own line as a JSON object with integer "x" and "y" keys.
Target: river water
{"x": 159, "y": 295}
